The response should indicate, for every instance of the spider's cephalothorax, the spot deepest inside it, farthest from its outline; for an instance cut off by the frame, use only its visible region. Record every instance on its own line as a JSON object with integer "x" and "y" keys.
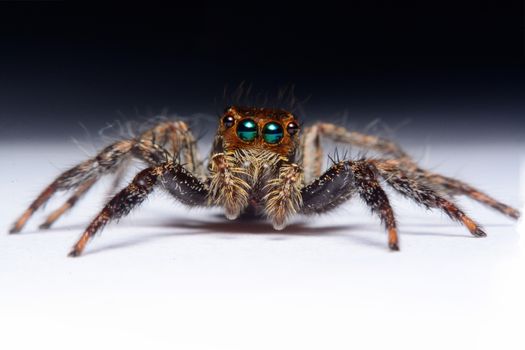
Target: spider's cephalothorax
{"x": 252, "y": 163}
{"x": 262, "y": 164}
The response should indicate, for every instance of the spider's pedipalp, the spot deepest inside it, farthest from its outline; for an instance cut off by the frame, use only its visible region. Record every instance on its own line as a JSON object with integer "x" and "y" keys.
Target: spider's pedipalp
{"x": 283, "y": 198}
{"x": 228, "y": 185}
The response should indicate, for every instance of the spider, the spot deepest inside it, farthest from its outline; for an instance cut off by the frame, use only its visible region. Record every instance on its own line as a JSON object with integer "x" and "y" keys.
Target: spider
{"x": 262, "y": 164}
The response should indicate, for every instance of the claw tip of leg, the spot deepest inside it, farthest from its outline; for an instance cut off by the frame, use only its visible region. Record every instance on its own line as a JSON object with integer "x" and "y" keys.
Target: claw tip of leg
{"x": 479, "y": 233}
{"x": 14, "y": 230}
{"x": 73, "y": 254}
{"x": 44, "y": 226}
{"x": 393, "y": 247}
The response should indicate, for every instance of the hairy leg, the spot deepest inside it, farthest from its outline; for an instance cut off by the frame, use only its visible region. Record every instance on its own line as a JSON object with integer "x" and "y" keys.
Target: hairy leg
{"x": 311, "y": 152}
{"x": 424, "y": 193}
{"x": 456, "y": 187}
{"x": 447, "y": 185}
{"x": 151, "y": 147}
{"x": 339, "y": 183}
{"x": 311, "y": 158}
{"x": 118, "y": 178}
{"x": 80, "y": 191}
{"x": 107, "y": 160}
{"x": 173, "y": 139}
{"x": 178, "y": 181}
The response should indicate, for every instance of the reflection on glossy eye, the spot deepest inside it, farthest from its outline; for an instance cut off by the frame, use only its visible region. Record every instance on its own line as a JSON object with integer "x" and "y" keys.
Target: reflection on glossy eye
{"x": 272, "y": 132}
{"x": 247, "y": 130}
{"x": 292, "y": 128}
{"x": 228, "y": 121}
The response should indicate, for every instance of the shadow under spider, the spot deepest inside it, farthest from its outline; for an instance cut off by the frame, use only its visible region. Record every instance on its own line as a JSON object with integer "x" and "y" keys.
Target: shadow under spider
{"x": 240, "y": 226}
{"x": 247, "y": 225}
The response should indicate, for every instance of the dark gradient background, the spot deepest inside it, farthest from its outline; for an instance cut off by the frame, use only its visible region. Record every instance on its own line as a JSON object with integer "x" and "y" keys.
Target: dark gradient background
{"x": 429, "y": 70}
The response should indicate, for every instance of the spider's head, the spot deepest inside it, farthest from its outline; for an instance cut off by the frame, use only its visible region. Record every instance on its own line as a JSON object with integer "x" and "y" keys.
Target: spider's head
{"x": 259, "y": 128}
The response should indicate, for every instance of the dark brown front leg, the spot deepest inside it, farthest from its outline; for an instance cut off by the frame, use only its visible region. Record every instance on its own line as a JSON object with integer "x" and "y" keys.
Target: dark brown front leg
{"x": 176, "y": 180}
{"x": 339, "y": 183}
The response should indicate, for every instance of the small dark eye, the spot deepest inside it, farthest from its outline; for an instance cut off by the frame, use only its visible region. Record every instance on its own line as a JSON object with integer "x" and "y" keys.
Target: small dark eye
{"x": 247, "y": 130}
{"x": 292, "y": 128}
{"x": 272, "y": 132}
{"x": 228, "y": 121}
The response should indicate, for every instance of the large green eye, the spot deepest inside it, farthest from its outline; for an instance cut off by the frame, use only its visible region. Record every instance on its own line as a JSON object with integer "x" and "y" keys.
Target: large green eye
{"x": 272, "y": 132}
{"x": 247, "y": 130}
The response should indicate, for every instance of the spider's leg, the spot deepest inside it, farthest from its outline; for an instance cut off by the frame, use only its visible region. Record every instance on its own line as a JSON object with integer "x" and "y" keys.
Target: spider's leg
{"x": 339, "y": 183}
{"x": 80, "y": 191}
{"x": 151, "y": 147}
{"x": 419, "y": 190}
{"x": 311, "y": 151}
{"x": 107, "y": 160}
{"x": 283, "y": 197}
{"x": 447, "y": 185}
{"x": 340, "y": 134}
{"x": 118, "y": 179}
{"x": 455, "y": 187}
{"x": 178, "y": 181}
{"x": 174, "y": 138}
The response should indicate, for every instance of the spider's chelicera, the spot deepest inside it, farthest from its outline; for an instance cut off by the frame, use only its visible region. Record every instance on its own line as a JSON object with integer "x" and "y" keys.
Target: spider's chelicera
{"x": 260, "y": 163}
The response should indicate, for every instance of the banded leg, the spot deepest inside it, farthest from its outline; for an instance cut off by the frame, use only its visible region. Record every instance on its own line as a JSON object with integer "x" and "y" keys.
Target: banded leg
{"x": 447, "y": 185}
{"x": 339, "y": 183}
{"x": 178, "y": 181}
{"x": 116, "y": 183}
{"x": 456, "y": 187}
{"x": 80, "y": 191}
{"x": 311, "y": 157}
{"x": 154, "y": 146}
{"x": 107, "y": 160}
{"x": 419, "y": 190}
{"x": 311, "y": 153}
{"x": 172, "y": 138}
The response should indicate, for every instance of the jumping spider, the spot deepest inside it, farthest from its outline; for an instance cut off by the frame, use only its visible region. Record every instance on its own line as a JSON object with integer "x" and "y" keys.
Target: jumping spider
{"x": 260, "y": 163}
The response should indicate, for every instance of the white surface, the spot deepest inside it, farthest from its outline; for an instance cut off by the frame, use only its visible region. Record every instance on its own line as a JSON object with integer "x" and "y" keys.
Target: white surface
{"x": 166, "y": 278}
